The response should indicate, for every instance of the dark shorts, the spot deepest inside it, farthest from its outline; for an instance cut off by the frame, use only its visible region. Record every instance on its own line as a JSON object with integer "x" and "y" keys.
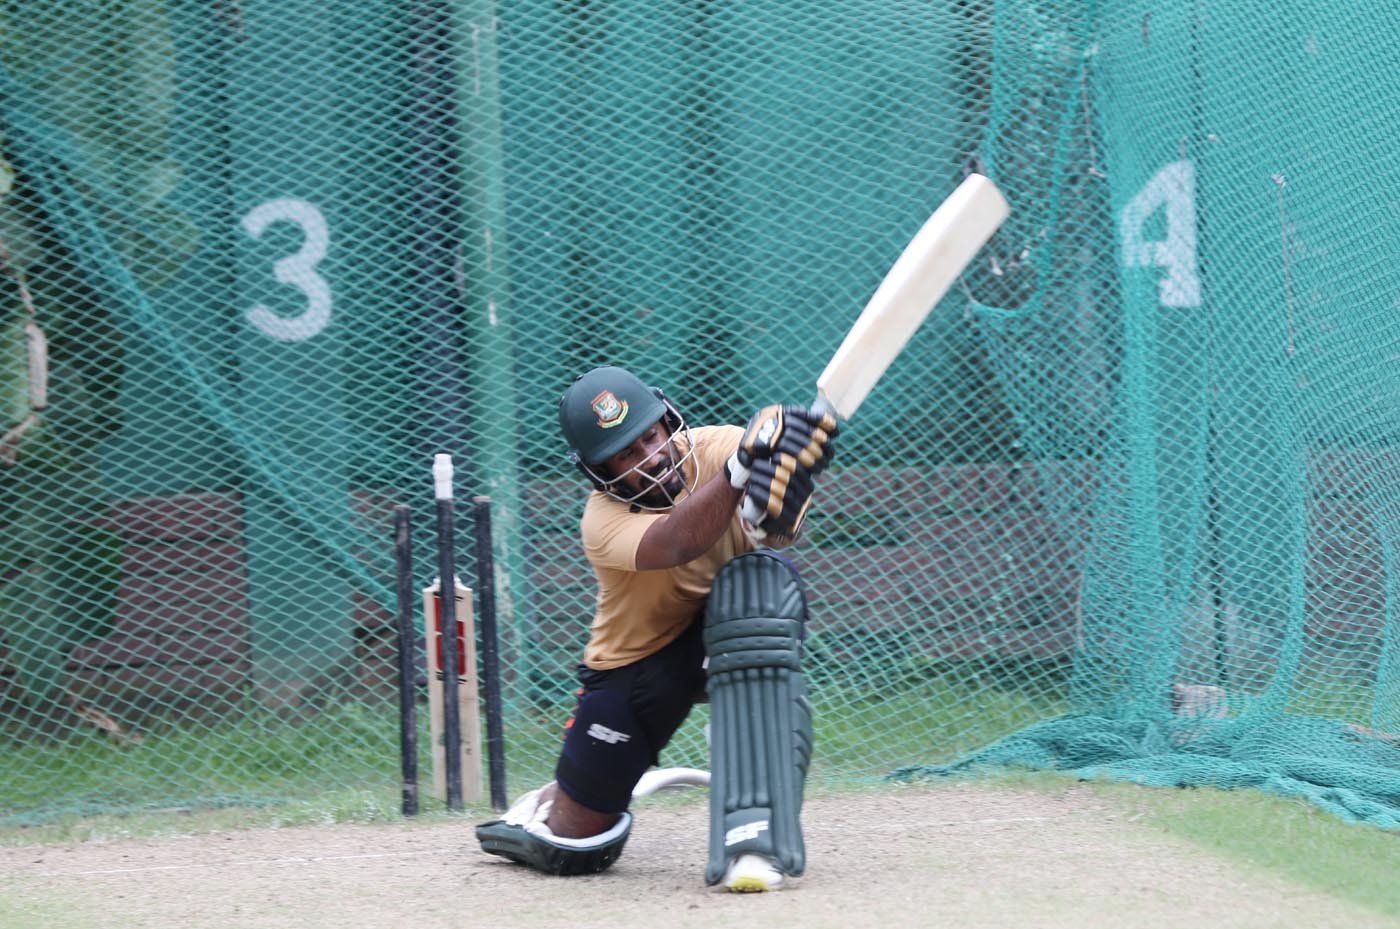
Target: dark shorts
{"x": 625, "y": 717}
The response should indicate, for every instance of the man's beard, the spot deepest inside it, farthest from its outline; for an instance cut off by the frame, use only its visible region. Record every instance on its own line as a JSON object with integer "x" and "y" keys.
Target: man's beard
{"x": 665, "y": 491}
{"x": 647, "y": 490}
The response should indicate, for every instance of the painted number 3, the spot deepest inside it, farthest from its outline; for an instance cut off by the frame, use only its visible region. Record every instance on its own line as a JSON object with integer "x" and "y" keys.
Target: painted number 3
{"x": 298, "y": 270}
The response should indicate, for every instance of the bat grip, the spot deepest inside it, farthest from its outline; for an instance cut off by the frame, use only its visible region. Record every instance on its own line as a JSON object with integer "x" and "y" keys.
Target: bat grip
{"x": 822, "y": 405}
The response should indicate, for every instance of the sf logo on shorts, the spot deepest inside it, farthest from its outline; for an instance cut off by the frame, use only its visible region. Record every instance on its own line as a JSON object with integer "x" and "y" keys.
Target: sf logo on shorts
{"x": 604, "y": 734}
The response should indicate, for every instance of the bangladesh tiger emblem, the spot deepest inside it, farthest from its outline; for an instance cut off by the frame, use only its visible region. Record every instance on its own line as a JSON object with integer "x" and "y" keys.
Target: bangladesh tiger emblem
{"x": 611, "y": 411}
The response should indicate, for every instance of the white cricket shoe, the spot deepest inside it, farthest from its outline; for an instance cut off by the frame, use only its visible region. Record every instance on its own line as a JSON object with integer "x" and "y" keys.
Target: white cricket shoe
{"x": 750, "y": 873}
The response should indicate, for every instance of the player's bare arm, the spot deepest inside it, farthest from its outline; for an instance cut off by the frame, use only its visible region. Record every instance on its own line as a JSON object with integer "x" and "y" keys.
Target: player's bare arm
{"x": 691, "y": 528}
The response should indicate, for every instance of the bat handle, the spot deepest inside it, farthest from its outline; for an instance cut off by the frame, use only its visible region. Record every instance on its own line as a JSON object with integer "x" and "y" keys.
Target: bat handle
{"x": 822, "y": 405}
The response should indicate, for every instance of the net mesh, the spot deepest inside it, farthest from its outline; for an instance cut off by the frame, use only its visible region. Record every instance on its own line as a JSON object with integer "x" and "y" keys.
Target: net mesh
{"x": 1126, "y": 504}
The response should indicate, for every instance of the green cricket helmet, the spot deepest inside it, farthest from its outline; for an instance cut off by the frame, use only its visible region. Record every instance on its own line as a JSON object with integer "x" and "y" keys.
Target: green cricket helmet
{"x": 606, "y": 410}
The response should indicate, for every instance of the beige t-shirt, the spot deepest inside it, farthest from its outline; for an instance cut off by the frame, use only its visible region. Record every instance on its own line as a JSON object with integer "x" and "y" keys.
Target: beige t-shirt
{"x": 641, "y": 612}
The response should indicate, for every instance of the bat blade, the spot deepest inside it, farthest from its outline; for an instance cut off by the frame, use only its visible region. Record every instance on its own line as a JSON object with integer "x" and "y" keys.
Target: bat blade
{"x": 919, "y": 278}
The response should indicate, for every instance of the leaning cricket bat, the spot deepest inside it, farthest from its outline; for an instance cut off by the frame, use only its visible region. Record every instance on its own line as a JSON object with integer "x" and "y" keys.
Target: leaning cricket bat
{"x": 468, "y": 715}
{"x": 929, "y": 265}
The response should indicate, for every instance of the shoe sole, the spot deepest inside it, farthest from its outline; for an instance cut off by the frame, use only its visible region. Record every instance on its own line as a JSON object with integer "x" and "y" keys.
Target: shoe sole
{"x": 749, "y": 885}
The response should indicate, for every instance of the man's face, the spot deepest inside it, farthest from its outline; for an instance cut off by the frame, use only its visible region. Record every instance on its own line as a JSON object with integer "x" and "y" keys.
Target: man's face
{"x": 649, "y": 468}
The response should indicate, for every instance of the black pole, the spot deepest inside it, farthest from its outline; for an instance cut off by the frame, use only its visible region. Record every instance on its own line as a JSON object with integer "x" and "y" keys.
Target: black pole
{"x": 490, "y": 657}
{"x": 408, "y": 719}
{"x": 431, "y": 154}
{"x": 447, "y": 630}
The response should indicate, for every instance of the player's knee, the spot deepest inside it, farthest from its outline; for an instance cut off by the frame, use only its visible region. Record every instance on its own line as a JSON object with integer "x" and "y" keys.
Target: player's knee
{"x": 605, "y": 751}
{"x": 524, "y": 837}
{"x": 570, "y": 819}
{"x": 756, "y": 615}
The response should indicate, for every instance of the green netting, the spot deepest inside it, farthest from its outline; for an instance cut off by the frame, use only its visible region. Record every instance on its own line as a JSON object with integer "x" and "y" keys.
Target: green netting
{"x": 1125, "y": 506}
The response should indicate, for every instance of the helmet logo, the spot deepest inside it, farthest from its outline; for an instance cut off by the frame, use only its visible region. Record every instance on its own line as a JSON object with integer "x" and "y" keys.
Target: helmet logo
{"x": 611, "y": 411}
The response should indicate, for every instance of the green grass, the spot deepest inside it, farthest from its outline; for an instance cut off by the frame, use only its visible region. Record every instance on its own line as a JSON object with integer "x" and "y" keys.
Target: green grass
{"x": 343, "y": 762}
{"x": 340, "y": 806}
{"x": 1285, "y": 837}
{"x": 927, "y": 719}
{"x": 1289, "y": 837}
{"x": 258, "y": 760}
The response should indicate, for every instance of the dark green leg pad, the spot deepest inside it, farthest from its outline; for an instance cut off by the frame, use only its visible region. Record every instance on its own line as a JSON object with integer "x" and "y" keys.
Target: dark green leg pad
{"x": 760, "y": 719}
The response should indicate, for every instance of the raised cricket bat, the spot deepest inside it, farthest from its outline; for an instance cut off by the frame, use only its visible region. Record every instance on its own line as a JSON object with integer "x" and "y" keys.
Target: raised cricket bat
{"x": 924, "y": 271}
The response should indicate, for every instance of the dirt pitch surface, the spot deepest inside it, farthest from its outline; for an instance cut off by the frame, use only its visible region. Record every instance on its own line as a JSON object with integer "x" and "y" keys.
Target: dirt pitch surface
{"x": 942, "y": 855}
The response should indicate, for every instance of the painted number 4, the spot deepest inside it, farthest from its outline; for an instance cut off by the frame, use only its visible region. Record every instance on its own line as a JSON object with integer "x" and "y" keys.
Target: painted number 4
{"x": 1173, "y": 191}
{"x": 297, "y": 270}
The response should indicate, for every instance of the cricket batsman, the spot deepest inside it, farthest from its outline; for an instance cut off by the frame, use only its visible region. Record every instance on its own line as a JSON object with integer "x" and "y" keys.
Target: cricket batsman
{"x": 693, "y": 602}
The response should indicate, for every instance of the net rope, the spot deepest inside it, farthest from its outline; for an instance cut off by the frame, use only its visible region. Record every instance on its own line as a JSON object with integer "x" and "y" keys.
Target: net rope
{"x": 1126, "y": 506}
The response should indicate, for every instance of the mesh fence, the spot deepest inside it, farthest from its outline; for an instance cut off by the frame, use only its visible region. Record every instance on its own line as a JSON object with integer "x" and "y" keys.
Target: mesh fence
{"x": 1126, "y": 505}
